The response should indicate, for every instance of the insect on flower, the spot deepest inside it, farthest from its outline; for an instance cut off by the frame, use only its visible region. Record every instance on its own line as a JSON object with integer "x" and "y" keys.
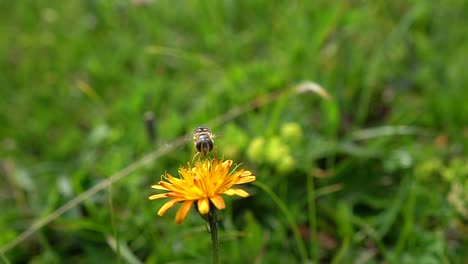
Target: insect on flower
{"x": 203, "y": 139}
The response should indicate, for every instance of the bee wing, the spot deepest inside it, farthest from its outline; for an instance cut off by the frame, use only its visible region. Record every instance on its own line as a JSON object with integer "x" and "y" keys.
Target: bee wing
{"x": 186, "y": 141}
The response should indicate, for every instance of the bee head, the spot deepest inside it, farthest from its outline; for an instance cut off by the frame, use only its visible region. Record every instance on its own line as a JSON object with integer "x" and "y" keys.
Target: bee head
{"x": 201, "y": 129}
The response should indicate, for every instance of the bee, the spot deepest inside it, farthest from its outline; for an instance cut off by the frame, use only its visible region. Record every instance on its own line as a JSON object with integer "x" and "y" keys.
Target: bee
{"x": 203, "y": 139}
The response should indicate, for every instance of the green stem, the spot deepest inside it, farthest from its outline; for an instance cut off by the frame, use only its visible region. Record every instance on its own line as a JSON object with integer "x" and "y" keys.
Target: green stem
{"x": 212, "y": 220}
{"x": 312, "y": 218}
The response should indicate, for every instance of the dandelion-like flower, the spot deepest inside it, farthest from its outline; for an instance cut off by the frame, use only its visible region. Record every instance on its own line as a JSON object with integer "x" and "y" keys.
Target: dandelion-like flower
{"x": 203, "y": 183}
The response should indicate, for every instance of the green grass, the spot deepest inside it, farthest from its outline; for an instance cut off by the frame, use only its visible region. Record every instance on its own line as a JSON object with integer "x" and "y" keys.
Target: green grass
{"x": 376, "y": 174}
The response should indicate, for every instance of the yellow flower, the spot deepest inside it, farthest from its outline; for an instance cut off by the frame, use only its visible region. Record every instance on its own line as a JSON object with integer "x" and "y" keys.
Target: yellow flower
{"x": 203, "y": 183}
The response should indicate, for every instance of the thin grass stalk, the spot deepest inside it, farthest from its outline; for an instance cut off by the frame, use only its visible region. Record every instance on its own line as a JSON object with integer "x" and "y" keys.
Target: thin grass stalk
{"x": 289, "y": 217}
{"x": 114, "y": 228}
{"x": 312, "y": 218}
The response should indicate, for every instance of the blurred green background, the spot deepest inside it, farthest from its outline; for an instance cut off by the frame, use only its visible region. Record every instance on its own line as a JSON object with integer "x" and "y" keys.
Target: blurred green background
{"x": 376, "y": 174}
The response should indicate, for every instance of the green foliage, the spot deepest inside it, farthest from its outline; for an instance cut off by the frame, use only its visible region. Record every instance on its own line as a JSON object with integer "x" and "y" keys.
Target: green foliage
{"x": 378, "y": 173}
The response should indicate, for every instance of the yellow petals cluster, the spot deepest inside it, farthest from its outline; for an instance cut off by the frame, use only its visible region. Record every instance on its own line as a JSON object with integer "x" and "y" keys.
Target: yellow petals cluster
{"x": 202, "y": 182}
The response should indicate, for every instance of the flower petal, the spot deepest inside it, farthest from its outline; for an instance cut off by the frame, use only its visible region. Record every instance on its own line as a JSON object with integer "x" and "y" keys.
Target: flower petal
{"x": 245, "y": 179}
{"x": 167, "y": 206}
{"x": 166, "y": 185}
{"x": 157, "y": 196}
{"x": 246, "y": 173}
{"x": 203, "y": 206}
{"x": 158, "y": 187}
{"x": 183, "y": 210}
{"x": 218, "y": 201}
{"x": 239, "y": 192}
{"x": 227, "y": 164}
